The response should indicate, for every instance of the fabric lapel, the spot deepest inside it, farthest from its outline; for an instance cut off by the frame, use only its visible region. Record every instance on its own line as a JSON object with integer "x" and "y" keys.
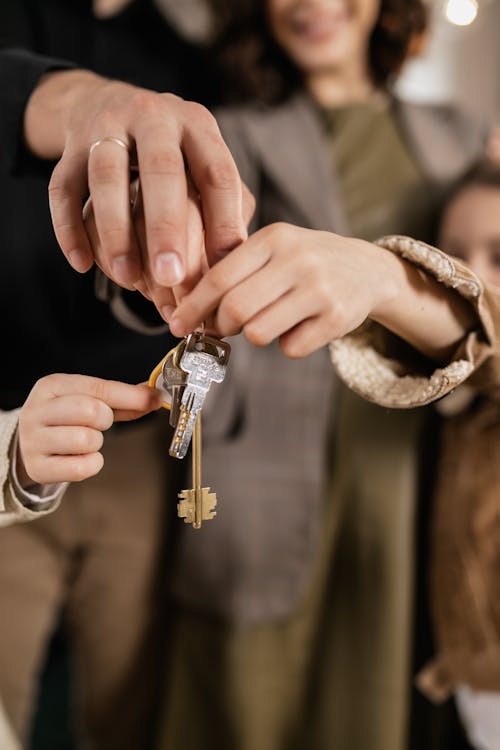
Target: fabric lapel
{"x": 301, "y": 172}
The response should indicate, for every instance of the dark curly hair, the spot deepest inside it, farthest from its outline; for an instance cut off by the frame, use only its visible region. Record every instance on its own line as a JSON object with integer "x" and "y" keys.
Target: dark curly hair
{"x": 253, "y": 65}
{"x": 485, "y": 173}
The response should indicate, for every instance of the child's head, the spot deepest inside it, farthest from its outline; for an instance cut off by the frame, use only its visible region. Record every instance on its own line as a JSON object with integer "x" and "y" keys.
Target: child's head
{"x": 470, "y": 223}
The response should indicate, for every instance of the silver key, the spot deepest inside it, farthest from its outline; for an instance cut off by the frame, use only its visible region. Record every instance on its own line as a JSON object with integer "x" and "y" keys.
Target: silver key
{"x": 204, "y": 359}
{"x": 174, "y": 382}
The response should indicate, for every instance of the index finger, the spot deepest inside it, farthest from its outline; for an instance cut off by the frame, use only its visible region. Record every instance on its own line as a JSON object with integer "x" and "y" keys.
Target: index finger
{"x": 196, "y": 306}
{"x": 217, "y": 179}
{"x": 115, "y": 394}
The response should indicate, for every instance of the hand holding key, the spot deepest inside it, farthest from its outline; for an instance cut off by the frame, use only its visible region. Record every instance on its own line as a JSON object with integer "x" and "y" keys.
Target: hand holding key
{"x": 308, "y": 287}
{"x": 62, "y": 421}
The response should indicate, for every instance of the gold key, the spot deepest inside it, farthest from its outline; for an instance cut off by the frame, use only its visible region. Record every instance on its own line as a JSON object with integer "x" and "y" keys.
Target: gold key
{"x": 196, "y": 505}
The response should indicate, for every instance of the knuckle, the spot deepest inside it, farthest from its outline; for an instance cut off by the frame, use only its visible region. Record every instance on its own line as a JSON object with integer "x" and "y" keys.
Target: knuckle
{"x": 81, "y": 439}
{"x": 291, "y": 348}
{"x": 79, "y": 471}
{"x": 86, "y": 466}
{"x": 88, "y": 409}
{"x": 249, "y": 202}
{"x": 96, "y": 440}
{"x": 336, "y": 315}
{"x": 323, "y": 291}
{"x": 309, "y": 264}
{"x": 217, "y": 281}
{"x": 229, "y": 235}
{"x": 164, "y": 227}
{"x": 256, "y": 334}
{"x": 115, "y": 240}
{"x": 44, "y": 383}
{"x": 277, "y": 232}
{"x": 57, "y": 191}
{"x": 166, "y": 163}
{"x": 170, "y": 98}
{"x": 145, "y": 102}
{"x": 108, "y": 119}
{"x": 231, "y": 308}
{"x": 221, "y": 174}
{"x": 199, "y": 115}
{"x": 100, "y": 391}
{"x": 104, "y": 170}
{"x": 105, "y": 419}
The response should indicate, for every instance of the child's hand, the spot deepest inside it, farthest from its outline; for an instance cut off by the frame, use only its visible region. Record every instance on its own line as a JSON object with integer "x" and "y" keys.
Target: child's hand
{"x": 62, "y": 421}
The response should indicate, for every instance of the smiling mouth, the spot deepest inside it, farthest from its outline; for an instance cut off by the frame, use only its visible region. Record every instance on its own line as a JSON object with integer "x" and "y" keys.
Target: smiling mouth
{"x": 318, "y": 27}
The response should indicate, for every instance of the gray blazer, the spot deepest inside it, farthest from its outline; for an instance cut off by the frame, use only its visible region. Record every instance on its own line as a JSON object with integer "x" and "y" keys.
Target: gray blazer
{"x": 267, "y": 427}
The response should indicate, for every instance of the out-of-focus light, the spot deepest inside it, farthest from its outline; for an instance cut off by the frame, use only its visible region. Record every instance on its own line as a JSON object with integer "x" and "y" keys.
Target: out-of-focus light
{"x": 461, "y": 12}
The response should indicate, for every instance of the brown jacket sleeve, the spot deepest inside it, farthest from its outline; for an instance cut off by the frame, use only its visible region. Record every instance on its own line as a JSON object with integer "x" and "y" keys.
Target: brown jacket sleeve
{"x": 383, "y": 369}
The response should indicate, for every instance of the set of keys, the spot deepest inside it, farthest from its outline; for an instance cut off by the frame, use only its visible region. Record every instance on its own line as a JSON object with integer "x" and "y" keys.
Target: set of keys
{"x": 185, "y": 376}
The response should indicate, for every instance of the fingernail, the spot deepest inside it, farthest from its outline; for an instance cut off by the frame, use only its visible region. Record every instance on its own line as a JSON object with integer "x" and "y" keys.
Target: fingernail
{"x": 167, "y": 312}
{"x": 124, "y": 270}
{"x": 79, "y": 260}
{"x": 168, "y": 269}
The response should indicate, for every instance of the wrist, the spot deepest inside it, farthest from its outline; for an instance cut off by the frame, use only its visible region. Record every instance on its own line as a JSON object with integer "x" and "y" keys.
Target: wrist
{"x": 23, "y": 478}
{"x": 388, "y": 276}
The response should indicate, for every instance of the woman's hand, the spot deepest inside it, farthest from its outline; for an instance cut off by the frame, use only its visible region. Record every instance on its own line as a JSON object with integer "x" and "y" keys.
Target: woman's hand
{"x": 62, "y": 421}
{"x": 308, "y": 287}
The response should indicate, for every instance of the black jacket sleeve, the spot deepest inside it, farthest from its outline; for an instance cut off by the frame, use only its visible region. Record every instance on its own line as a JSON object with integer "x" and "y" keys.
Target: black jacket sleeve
{"x": 20, "y": 71}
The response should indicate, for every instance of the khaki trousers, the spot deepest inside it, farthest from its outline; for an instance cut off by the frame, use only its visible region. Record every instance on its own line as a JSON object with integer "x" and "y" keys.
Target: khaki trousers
{"x": 95, "y": 560}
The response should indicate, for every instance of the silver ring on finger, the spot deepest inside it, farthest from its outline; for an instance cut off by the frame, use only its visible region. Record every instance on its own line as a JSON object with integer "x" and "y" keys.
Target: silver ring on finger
{"x": 109, "y": 139}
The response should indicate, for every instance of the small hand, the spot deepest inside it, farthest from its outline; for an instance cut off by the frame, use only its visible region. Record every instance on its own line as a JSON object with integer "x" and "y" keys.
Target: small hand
{"x": 62, "y": 421}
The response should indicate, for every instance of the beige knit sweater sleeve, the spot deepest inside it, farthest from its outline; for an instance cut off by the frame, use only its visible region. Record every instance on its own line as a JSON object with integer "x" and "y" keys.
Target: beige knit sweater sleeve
{"x": 381, "y": 368}
{"x": 11, "y": 506}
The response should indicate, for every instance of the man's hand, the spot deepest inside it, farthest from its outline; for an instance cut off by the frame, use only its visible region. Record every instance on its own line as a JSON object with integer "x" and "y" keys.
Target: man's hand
{"x": 62, "y": 421}
{"x": 83, "y": 119}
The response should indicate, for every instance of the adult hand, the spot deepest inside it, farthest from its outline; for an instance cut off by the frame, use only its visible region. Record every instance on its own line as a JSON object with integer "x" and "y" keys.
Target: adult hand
{"x": 62, "y": 421}
{"x": 308, "y": 287}
{"x": 99, "y": 128}
{"x": 195, "y": 259}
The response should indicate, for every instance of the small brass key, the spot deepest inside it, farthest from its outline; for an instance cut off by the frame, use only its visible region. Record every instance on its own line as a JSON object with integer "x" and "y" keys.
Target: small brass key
{"x": 198, "y": 504}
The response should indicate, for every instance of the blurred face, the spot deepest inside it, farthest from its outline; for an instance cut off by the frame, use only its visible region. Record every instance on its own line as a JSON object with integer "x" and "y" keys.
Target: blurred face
{"x": 470, "y": 230}
{"x": 321, "y": 35}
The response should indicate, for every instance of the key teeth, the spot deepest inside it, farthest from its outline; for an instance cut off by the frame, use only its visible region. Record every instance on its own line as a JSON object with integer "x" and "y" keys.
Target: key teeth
{"x": 185, "y": 508}
{"x": 179, "y": 445}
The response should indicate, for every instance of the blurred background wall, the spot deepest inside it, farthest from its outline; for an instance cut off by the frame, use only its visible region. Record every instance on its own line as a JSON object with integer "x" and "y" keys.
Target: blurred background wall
{"x": 460, "y": 63}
